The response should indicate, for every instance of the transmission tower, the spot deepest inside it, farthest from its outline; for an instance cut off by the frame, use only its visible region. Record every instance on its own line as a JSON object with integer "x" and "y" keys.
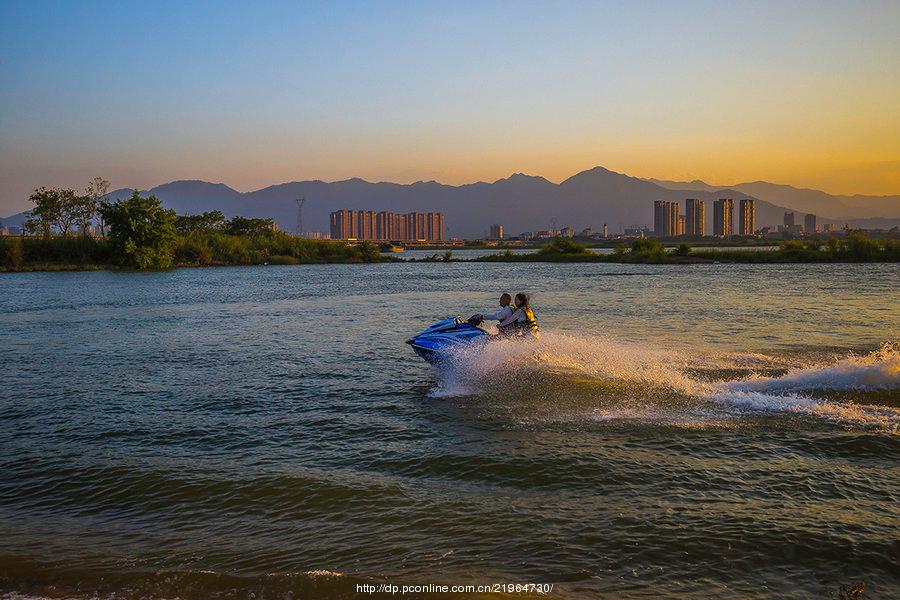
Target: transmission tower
{"x": 299, "y": 229}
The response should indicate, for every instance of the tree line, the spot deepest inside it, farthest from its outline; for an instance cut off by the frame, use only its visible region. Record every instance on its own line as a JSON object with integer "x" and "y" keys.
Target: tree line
{"x": 60, "y": 210}
{"x": 139, "y": 233}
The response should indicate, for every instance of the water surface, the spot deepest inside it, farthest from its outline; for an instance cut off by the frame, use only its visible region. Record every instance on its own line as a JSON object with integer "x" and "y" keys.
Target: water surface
{"x": 680, "y": 431}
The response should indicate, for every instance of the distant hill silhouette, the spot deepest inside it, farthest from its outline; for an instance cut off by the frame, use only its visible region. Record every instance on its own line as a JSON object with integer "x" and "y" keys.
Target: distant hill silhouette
{"x": 520, "y": 202}
{"x": 839, "y": 207}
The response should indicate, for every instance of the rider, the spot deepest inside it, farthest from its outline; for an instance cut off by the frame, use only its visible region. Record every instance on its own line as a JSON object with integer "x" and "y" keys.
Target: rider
{"x": 522, "y": 320}
{"x": 505, "y": 311}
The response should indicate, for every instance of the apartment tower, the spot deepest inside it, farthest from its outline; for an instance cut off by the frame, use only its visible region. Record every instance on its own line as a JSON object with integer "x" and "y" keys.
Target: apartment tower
{"x": 747, "y": 219}
{"x": 694, "y": 217}
{"x": 723, "y": 217}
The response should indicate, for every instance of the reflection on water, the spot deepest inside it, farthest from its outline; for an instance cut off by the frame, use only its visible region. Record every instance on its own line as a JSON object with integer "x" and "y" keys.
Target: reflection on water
{"x": 699, "y": 430}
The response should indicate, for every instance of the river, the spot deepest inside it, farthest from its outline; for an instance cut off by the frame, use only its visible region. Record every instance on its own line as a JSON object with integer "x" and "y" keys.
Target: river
{"x": 679, "y": 431}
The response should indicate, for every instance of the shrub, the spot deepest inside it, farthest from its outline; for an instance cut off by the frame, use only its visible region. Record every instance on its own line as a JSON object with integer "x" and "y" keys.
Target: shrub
{"x": 682, "y": 250}
{"x": 193, "y": 249}
{"x": 862, "y": 247}
{"x": 647, "y": 247}
{"x": 793, "y": 249}
{"x": 11, "y": 253}
{"x": 63, "y": 249}
{"x": 563, "y": 246}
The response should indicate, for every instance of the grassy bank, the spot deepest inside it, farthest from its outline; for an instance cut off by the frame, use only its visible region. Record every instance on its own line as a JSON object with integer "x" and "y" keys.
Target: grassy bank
{"x": 197, "y": 249}
{"x": 855, "y": 248}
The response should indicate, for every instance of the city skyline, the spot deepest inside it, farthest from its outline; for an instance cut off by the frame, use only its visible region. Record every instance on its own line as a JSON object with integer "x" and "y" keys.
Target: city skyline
{"x": 281, "y": 94}
{"x": 381, "y": 225}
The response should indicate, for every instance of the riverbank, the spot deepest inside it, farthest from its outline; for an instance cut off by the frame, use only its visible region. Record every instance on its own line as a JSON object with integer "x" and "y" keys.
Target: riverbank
{"x": 211, "y": 249}
{"x": 856, "y": 248}
{"x": 197, "y": 249}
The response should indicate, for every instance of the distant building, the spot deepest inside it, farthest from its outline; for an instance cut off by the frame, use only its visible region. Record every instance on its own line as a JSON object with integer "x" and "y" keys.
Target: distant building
{"x": 567, "y": 232}
{"x": 694, "y": 217}
{"x": 680, "y": 229}
{"x": 747, "y": 218}
{"x": 434, "y": 230}
{"x": 809, "y": 223}
{"x": 387, "y": 226}
{"x": 587, "y": 232}
{"x": 605, "y": 231}
{"x": 788, "y": 221}
{"x": 665, "y": 218}
{"x": 723, "y": 217}
{"x": 343, "y": 225}
{"x": 828, "y": 227}
{"x": 496, "y": 232}
{"x": 636, "y": 231}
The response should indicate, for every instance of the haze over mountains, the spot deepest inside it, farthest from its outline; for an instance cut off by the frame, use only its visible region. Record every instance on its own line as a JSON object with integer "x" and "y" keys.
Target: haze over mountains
{"x": 519, "y": 202}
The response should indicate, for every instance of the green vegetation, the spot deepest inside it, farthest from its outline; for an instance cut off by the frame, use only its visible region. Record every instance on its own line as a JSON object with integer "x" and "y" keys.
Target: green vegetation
{"x": 855, "y": 247}
{"x": 144, "y": 235}
{"x": 560, "y": 247}
{"x": 141, "y": 232}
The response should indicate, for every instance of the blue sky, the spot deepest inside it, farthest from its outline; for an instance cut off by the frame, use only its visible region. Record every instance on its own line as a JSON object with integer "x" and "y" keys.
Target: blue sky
{"x": 254, "y": 94}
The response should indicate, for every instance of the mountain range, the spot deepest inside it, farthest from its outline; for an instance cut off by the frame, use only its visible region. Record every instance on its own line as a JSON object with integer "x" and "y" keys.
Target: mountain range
{"x": 519, "y": 202}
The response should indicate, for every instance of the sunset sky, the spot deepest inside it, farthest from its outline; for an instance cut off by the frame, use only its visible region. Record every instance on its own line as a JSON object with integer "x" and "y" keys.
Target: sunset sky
{"x": 147, "y": 92}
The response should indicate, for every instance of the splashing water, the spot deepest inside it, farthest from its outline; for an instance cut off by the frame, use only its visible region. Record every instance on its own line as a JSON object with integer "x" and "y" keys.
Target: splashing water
{"x": 632, "y": 381}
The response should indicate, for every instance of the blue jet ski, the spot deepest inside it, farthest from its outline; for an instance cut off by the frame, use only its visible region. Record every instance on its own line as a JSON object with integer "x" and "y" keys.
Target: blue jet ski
{"x": 436, "y": 343}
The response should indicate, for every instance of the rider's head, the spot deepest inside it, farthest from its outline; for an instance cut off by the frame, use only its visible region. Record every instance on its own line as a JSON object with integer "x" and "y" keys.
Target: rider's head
{"x": 505, "y": 299}
{"x": 521, "y": 299}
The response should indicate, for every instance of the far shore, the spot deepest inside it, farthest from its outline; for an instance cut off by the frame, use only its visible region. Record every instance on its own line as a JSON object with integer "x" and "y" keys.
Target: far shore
{"x": 215, "y": 248}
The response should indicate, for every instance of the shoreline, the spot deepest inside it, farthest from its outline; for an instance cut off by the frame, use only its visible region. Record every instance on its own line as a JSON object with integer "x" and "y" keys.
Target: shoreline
{"x": 212, "y": 249}
{"x": 755, "y": 257}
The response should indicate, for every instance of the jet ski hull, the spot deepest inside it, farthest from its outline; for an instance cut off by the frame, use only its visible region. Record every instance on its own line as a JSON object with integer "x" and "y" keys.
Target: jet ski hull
{"x": 438, "y": 343}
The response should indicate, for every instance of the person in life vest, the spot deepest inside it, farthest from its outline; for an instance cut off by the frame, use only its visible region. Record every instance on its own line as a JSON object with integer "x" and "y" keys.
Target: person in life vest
{"x": 522, "y": 321}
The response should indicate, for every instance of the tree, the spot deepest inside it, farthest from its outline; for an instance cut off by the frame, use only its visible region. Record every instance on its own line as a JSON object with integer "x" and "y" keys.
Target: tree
{"x": 84, "y": 210}
{"x": 249, "y": 227}
{"x": 55, "y": 208}
{"x": 69, "y": 210}
{"x": 95, "y": 195}
{"x": 46, "y": 211}
{"x": 213, "y": 220}
{"x": 141, "y": 232}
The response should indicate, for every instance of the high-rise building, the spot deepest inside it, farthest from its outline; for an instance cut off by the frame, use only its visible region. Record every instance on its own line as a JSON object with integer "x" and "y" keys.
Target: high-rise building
{"x": 694, "y": 217}
{"x": 344, "y": 225}
{"x": 809, "y": 223}
{"x": 665, "y": 218}
{"x": 828, "y": 227}
{"x": 788, "y": 220}
{"x": 680, "y": 229}
{"x": 747, "y": 219}
{"x": 605, "y": 231}
{"x": 723, "y": 217}
{"x": 383, "y": 225}
{"x": 496, "y": 232}
{"x": 434, "y": 229}
{"x": 365, "y": 225}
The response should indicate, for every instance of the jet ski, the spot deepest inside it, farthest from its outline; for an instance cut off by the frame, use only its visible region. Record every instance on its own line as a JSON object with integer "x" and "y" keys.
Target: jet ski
{"x": 437, "y": 342}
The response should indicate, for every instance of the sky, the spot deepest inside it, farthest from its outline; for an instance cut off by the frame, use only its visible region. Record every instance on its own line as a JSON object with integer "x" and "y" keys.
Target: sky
{"x": 254, "y": 94}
